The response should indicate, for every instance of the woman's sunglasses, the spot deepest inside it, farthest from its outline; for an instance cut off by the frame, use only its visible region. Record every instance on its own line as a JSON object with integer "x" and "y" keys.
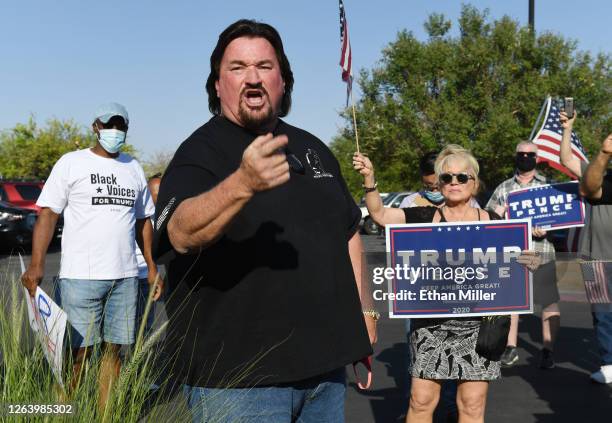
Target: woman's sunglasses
{"x": 462, "y": 178}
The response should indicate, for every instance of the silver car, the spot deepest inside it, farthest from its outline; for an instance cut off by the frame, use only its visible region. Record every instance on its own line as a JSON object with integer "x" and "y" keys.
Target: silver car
{"x": 391, "y": 199}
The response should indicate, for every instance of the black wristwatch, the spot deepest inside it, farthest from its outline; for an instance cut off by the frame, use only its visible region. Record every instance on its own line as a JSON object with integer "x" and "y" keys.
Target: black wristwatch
{"x": 370, "y": 189}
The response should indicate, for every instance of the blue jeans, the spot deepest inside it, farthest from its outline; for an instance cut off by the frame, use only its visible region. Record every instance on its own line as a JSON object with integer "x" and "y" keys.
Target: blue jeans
{"x": 98, "y": 308}
{"x": 316, "y": 400}
{"x": 602, "y": 322}
{"x": 448, "y": 394}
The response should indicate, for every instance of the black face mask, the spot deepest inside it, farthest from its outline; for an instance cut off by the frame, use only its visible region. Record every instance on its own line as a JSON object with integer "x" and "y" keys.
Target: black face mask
{"x": 525, "y": 164}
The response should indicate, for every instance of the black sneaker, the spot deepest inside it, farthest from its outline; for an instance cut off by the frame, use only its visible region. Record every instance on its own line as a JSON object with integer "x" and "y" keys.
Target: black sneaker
{"x": 509, "y": 357}
{"x": 546, "y": 359}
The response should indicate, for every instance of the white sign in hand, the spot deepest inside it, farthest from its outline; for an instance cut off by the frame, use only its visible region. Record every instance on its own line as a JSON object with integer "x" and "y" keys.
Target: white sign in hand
{"x": 29, "y": 300}
{"x": 48, "y": 321}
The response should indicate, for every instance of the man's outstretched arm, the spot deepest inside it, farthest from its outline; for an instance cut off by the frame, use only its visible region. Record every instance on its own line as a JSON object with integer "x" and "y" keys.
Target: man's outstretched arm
{"x": 199, "y": 221}
{"x": 41, "y": 238}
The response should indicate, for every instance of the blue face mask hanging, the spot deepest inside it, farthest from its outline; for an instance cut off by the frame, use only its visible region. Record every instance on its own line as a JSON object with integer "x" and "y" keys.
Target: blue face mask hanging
{"x": 435, "y": 197}
{"x": 112, "y": 139}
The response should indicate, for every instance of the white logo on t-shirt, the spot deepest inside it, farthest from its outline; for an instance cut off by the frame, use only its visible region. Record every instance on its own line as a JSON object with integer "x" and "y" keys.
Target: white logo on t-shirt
{"x": 164, "y": 214}
{"x": 314, "y": 161}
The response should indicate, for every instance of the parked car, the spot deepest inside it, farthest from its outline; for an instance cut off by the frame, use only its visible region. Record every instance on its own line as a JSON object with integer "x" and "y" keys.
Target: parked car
{"x": 23, "y": 194}
{"x": 16, "y": 225}
{"x": 391, "y": 199}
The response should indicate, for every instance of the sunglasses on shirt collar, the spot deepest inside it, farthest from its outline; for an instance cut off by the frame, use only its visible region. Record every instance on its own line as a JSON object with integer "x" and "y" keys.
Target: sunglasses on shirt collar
{"x": 462, "y": 178}
{"x": 294, "y": 163}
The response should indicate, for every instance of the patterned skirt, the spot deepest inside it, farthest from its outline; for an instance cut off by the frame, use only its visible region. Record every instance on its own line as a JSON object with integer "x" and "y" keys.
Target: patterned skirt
{"x": 446, "y": 349}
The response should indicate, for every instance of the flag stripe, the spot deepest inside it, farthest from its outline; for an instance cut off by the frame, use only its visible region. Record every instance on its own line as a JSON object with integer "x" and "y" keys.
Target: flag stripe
{"x": 550, "y": 149}
{"x": 548, "y": 155}
{"x": 546, "y": 137}
{"x": 601, "y": 275}
{"x": 555, "y": 146}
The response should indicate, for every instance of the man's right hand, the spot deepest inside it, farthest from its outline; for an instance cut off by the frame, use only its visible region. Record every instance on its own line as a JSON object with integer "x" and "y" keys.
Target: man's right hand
{"x": 264, "y": 165}
{"x": 31, "y": 278}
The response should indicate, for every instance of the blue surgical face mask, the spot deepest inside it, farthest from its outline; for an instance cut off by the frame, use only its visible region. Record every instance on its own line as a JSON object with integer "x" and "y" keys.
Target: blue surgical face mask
{"x": 435, "y": 197}
{"x": 111, "y": 139}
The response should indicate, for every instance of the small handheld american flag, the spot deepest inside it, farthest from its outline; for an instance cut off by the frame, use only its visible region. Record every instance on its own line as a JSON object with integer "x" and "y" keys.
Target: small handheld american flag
{"x": 346, "y": 65}
{"x": 345, "y": 53}
{"x": 596, "y": 274}
{"x": 549, "y": 138}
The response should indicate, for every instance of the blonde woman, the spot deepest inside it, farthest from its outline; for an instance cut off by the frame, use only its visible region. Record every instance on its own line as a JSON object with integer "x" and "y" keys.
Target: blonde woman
{"x": 451, "y": 340}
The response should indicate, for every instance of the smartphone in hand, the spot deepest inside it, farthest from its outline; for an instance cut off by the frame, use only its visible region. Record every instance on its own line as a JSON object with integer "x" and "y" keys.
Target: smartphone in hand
{"x": 568, "y": 106}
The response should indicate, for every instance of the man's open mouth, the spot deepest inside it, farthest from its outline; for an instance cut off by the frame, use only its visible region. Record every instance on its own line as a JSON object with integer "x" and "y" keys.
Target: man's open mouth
{"x": 254, "y": 98}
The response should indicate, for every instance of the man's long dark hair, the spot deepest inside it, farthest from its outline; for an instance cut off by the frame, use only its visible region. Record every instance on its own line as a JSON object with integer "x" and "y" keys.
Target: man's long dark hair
{"x": 252, "y": 29}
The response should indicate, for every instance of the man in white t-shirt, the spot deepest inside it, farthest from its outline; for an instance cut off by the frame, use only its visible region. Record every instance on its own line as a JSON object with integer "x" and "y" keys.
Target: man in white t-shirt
{"x": 106, "y": 205}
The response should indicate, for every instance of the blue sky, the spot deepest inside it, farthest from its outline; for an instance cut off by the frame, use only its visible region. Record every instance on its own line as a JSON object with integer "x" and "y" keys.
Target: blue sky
{"x": 63, "y": 58}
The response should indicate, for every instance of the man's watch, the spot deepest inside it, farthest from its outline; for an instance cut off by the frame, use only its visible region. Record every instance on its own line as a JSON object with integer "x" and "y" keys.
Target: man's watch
{"x": 374, "y": 314}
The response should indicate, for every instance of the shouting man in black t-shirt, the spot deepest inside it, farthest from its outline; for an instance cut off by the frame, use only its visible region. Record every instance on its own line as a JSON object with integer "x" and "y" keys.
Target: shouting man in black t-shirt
{"x": 261, "y": 234}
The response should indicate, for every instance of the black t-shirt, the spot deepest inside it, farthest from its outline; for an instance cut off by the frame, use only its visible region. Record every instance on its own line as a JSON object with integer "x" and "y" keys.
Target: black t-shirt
{"x": 274, "y": 300}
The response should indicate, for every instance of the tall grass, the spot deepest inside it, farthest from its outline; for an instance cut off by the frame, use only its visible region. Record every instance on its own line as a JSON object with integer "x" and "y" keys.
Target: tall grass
{"x": 26, "y": 378}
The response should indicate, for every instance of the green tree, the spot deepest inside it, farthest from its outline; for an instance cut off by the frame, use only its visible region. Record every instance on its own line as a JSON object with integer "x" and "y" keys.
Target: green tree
{"x": 157, "y": 162}
{"x": 29, "y": 151}
{"x": 482, "y": 89}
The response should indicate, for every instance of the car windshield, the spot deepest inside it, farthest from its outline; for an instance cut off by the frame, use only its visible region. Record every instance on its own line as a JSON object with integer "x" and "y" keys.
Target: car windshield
{"x": 389, "y": 198}
{"x": 28, "y": 192}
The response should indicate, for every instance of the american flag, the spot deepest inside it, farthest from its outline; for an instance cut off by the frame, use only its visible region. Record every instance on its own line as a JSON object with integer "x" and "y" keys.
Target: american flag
{"x": 595, "y": 278}
{"x": 345, "y": 53}
{"x": 549, "y": 137}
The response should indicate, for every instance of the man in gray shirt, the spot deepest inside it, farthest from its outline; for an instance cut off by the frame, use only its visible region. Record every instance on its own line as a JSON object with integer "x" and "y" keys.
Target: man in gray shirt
{"x": 596, "y": 237}
{"x": 545, "y": 291}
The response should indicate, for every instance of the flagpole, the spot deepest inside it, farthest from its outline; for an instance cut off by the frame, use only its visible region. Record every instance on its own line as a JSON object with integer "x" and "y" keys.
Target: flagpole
{"x": 533, "y": 130}
{"x": 345, "y": 64}
{"x": 354, "y": 121}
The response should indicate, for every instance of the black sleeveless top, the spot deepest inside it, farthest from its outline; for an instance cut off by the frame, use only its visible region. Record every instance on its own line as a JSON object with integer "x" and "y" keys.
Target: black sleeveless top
{"x": 427, "y": 213}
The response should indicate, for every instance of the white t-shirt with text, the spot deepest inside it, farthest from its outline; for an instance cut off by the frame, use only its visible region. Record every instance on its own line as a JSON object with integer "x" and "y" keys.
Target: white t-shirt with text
{"x": 101, "y": 199}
